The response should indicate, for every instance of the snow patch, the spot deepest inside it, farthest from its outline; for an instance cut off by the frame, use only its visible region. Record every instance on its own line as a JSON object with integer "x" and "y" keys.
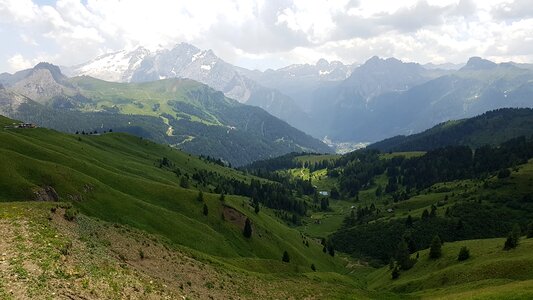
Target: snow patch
{"x": 205, "y": 67}
{"x": 198, "y": 55}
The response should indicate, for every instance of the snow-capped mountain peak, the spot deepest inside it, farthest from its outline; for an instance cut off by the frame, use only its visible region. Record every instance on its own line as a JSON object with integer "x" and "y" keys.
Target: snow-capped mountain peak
{"x": 117, "y": 66}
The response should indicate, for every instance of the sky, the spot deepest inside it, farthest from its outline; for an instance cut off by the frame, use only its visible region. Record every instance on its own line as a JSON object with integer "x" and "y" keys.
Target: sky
{"x": 261, "y": 34}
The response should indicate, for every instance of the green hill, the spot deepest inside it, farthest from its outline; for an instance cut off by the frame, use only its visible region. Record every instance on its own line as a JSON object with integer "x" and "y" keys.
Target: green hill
{"x": 181, "y": 112}
{"x": 489, "y": 273}
{"x": 119, "y": 178}
{"x": 143, "y": 230}
{"x": 492, "y": 127}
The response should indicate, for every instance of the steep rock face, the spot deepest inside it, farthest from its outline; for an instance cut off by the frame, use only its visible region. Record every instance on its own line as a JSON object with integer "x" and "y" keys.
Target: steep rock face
{"x": 46, "y": 193}
{"x": 10, "y": 102}
{"x": 42, "y": 83}
{"x": 477, "y": 63}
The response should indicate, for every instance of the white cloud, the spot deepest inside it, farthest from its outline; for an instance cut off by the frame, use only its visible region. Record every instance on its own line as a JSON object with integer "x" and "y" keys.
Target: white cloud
{"x": 265, "y": 33}
{"x": 18, "y": 62}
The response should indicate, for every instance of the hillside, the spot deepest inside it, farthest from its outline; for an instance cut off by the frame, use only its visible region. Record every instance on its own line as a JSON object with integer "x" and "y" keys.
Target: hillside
{"x": 45, "y": 256}
{"x": 144, "y": 229}
{"x": 179, "y": 112}
{"x": 373, "y": 203}
{"x": 492, "y": 127}
{"x": 490, "y": 273}
{"x": 129, "y": 180}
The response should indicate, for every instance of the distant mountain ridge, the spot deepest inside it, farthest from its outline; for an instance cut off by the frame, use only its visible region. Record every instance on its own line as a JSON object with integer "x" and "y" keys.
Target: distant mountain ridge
{"x": 372, "y": 105}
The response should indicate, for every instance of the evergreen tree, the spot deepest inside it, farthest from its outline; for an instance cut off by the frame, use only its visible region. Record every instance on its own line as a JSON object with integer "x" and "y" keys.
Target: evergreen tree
{"x": 206, "y": 210}
{"x": 256, "y": 207}
{"x": 379, "y": 191}
{"x": 464, "y": 254}
{"x": 285, "y": 257}
{"x": 247, "y": 231}
{"x": 435, "y": 250}
{"x": 395, "y": 273}
{"x": 184, "y": 182}
{"x": 403, "y": 257}
{"x": 433, "y": 212}
{"x": 313, "y": 267}
{"x": 334, "y": 193}
{"x": 324, "y": 204}
{"x": 530, "y": 230}
{"x": 331, "y": 249}
{"x": 409, "y": 221}
{"x": 425, "y": 214}
{"x": 200, "y": 196}
{"x": 513, "y": 238}
{"x": 222, "y": 197}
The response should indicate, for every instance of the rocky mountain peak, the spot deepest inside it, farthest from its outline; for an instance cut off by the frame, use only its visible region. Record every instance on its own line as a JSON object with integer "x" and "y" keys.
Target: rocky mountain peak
{"x": 478, "y": 63}
{"x": 54, "y": 70}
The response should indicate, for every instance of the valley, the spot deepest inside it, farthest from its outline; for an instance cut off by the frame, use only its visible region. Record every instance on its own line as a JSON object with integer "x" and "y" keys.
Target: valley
{"x": 231, "y": 149}
{"x": 152, "y": 221}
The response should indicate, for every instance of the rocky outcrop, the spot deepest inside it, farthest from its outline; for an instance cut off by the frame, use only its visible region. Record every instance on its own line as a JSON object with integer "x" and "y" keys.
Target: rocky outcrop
{"x": 46, "y": 193}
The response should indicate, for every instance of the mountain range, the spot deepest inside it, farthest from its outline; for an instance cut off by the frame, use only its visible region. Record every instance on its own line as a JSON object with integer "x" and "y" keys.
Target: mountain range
{"x": 383, "y": 98}
{"x": 187, "y": 61}
{"x": 180, "y": 112}
{"x": 331, "y": 100}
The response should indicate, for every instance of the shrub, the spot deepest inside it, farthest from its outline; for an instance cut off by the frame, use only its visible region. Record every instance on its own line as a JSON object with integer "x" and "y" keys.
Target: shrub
{"x": 70, "y": 214}
{"x": 512, "y": 238}
{"x": 286, "y": 258}
{"x": 395, "y": 273}
{"x": 464, "y": 254}
{"x": 504, "y": 173}
{"x": 313, "y": 267}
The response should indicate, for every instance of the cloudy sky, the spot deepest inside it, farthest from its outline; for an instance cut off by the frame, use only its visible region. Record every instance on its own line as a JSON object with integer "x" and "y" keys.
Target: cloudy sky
{"x": 268, "y": 33}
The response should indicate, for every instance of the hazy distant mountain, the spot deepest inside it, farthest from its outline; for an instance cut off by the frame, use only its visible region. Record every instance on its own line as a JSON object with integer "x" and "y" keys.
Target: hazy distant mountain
{"x": 478, "y": 87}
{"x": 187, "y": 61}
{"x": 300, "y": 81}
{"x": 340, "y": 104}
{"x": 444, "y": 66}
{"x": 181, "y": 112}
{"x": 388, "y": 97}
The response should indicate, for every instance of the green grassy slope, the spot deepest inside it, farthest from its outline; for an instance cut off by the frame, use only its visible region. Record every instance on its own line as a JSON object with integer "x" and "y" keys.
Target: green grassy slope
{"x": 44, "y": 256}
{"x": 489, "y": 273}
{"x": 199, "y": 119}
{"x": 114, "y": 177}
